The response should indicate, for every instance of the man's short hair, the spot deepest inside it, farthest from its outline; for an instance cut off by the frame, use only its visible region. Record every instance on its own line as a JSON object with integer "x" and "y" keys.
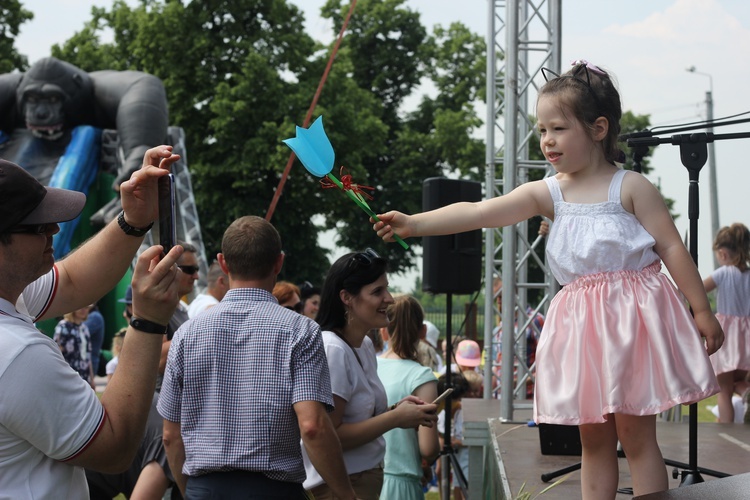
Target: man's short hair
{"x": 251, "y": 246}
{"x": 214, "y": 273}
{"x": 188, "y": 247}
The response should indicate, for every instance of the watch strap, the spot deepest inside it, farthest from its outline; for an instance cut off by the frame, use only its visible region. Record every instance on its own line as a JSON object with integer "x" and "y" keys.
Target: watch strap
{"x": 146, "y": 326}
{"x": 130, "y": 230}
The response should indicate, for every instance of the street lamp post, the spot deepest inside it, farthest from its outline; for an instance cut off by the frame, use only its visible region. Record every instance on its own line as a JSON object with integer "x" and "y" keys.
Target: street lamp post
{"x": 713, "y": 189}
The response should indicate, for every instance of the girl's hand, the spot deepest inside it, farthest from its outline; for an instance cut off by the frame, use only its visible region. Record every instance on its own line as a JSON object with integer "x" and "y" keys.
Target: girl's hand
{"x": 411, "y": 415}
{"x": 710, "y": 329}
{"x": 392, "y": 223}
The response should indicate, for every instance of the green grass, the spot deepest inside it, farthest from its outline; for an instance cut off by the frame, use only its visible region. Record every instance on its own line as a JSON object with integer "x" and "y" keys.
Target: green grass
{"x": 704, "y": 414}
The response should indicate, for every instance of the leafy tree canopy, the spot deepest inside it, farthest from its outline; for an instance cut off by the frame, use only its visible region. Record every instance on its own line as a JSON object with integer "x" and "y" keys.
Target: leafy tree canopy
{"x": 240, "y": 75}
{"x": 12, "y": 16}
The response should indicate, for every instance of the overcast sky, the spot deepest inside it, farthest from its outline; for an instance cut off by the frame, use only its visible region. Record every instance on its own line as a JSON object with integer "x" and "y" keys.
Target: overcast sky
{"x": 647, "y": 45}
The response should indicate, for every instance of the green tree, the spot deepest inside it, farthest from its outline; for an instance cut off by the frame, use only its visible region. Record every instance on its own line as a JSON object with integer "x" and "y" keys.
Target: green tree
{"x": 12, "y": 16}
{"x": 391, "y": 54}
{"x": 240, "y": 75}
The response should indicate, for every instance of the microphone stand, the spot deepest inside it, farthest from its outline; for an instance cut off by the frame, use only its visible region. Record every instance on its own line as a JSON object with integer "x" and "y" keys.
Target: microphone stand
{"x": 448, "y": 458}
{"x": 447, "y": 453}
{"x": 693, "y": 154}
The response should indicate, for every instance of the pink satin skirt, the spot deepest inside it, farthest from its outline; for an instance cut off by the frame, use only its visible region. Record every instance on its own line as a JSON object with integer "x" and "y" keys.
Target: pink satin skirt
{"x": 619, "y": 342}
{"x": 735, "y": 352}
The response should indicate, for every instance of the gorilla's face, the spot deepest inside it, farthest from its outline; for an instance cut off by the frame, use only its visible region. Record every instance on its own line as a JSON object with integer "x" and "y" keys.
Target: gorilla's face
{"x": 43, "y": 110}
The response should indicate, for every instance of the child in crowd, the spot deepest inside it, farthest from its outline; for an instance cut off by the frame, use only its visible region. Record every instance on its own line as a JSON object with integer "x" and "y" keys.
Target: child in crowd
{"x": 468, "y": 355}
{"x": 732, "y": 283}
{"x": 73, "y": 337}
{"x": 618, "y": 345}
{"x": 403, "y": 376}
{"x": 117, "y": 342}
{"x": 466, "y": 384}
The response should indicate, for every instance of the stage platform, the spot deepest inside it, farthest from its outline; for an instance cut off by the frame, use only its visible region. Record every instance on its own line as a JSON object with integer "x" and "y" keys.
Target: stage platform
{"x": 506, "y": 456}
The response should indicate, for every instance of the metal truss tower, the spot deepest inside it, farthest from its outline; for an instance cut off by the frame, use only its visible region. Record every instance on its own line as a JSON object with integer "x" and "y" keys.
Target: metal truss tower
{"x": 523, "y": 36}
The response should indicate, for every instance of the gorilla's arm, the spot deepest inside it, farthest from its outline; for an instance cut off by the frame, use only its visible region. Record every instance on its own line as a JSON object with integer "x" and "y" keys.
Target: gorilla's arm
{"x": 8, "y": 85}
{"x": 135, "y": 104}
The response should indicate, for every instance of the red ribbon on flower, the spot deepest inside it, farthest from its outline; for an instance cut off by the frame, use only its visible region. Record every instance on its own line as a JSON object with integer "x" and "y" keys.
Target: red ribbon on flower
{"x": 348, "y": 185}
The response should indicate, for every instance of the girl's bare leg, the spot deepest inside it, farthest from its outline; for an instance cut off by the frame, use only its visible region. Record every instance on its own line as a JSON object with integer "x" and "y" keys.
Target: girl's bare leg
{"x": 599, "y": 471}
{"x": 638, "y": 438}
{"x": 726, "y": 408}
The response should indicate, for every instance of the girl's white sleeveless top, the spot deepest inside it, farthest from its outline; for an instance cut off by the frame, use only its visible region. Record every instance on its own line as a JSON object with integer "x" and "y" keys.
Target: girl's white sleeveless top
{"x": 591, "y": 238}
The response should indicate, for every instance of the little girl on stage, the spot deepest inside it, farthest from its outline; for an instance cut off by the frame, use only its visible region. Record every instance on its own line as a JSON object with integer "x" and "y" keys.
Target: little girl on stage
{"x": 618, "y": 345}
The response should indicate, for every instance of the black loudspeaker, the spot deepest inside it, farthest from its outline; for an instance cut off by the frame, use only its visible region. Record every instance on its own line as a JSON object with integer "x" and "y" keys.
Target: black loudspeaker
{"x": 452, "y": 263}
{"x": 560, "y": 439}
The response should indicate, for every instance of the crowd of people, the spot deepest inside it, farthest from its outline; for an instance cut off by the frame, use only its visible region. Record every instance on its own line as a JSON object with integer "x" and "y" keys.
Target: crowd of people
{"x": 288, "y": 391}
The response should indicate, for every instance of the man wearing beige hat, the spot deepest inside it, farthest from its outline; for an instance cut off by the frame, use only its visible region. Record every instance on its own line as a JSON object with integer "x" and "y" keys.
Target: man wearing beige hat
{"x": 51, "y": 424}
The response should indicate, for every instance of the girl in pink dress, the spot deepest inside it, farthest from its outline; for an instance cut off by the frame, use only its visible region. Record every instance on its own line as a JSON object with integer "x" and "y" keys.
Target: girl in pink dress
{"x": 732, "y": 282}
{"x": 618, "y": 345}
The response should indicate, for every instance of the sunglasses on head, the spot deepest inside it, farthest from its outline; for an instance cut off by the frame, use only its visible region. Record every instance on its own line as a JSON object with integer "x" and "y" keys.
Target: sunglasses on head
{"x": 296, "y": 307}
{"x": 188, "y": 269}
{"x": 365, "y": 258}
{"x": 29, "y": 229}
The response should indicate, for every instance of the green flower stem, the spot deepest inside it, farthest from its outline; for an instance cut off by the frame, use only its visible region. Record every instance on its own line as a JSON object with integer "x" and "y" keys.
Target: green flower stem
{"x": 363, "y": 205}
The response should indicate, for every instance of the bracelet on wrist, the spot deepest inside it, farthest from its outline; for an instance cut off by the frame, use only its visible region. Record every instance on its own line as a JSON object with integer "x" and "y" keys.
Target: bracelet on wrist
{"x": 130, "y": 230}
{"x": 393, "y": 406}
{"x": 146, "y": 326}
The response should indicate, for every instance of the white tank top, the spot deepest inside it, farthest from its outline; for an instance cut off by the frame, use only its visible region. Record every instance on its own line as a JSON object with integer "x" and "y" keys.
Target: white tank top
{"x": 591, "y": 238}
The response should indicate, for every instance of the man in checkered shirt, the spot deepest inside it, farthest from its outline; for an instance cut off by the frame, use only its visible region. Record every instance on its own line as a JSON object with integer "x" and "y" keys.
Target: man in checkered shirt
{"x": 245, "y": 381}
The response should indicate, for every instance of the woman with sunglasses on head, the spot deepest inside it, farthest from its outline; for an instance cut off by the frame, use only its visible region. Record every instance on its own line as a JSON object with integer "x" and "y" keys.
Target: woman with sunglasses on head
{"x": 618, "y": 345}
{"x": 354, "y": 300}
{"x": 310, "y": 296}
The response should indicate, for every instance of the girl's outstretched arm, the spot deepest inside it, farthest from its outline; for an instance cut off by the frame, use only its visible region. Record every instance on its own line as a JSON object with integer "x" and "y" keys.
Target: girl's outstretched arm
{"x": 526, "y": 201}
{"x": 645, "y": 201}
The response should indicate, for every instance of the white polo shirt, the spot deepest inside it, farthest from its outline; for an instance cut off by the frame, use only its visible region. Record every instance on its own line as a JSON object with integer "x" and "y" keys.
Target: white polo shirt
{"x": 200, "y": 303}
{"x": 48, "y": 414}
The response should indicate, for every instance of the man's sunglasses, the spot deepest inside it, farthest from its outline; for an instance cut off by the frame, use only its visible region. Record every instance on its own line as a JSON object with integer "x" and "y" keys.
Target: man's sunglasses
{"x": 29, "y": 229}
{"x": 189, "y": 269}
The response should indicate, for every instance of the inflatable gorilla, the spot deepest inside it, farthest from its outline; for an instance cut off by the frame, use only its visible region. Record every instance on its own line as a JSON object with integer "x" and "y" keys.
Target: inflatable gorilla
{"x": 54, "y": 96}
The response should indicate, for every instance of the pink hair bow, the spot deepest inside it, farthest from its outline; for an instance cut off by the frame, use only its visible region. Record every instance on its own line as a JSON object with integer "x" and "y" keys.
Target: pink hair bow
{"x": 590, "y": 66}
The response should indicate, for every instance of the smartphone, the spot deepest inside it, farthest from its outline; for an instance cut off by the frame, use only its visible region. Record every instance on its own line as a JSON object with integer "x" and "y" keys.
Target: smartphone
{"x": 167, "y": 211}
{"x": 442, "y": 396}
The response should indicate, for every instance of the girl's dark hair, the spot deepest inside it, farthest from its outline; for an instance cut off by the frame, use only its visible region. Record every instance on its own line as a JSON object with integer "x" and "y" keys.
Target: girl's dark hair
{"x": 590, "y": 93}
{"x": 350, "y": 272}
{"x": 459, "y": 383}
{"x": 406, "y": 320}
{"x": 736, "y": 239}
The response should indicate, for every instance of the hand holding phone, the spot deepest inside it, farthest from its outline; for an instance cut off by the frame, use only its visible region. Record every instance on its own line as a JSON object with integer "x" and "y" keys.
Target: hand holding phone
{"x": 444, "y": 395}
{"x": 167, "y": 211}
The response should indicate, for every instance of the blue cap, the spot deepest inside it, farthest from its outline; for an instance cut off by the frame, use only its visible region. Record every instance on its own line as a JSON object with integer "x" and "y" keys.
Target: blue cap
{"x": 128, "y": 299}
